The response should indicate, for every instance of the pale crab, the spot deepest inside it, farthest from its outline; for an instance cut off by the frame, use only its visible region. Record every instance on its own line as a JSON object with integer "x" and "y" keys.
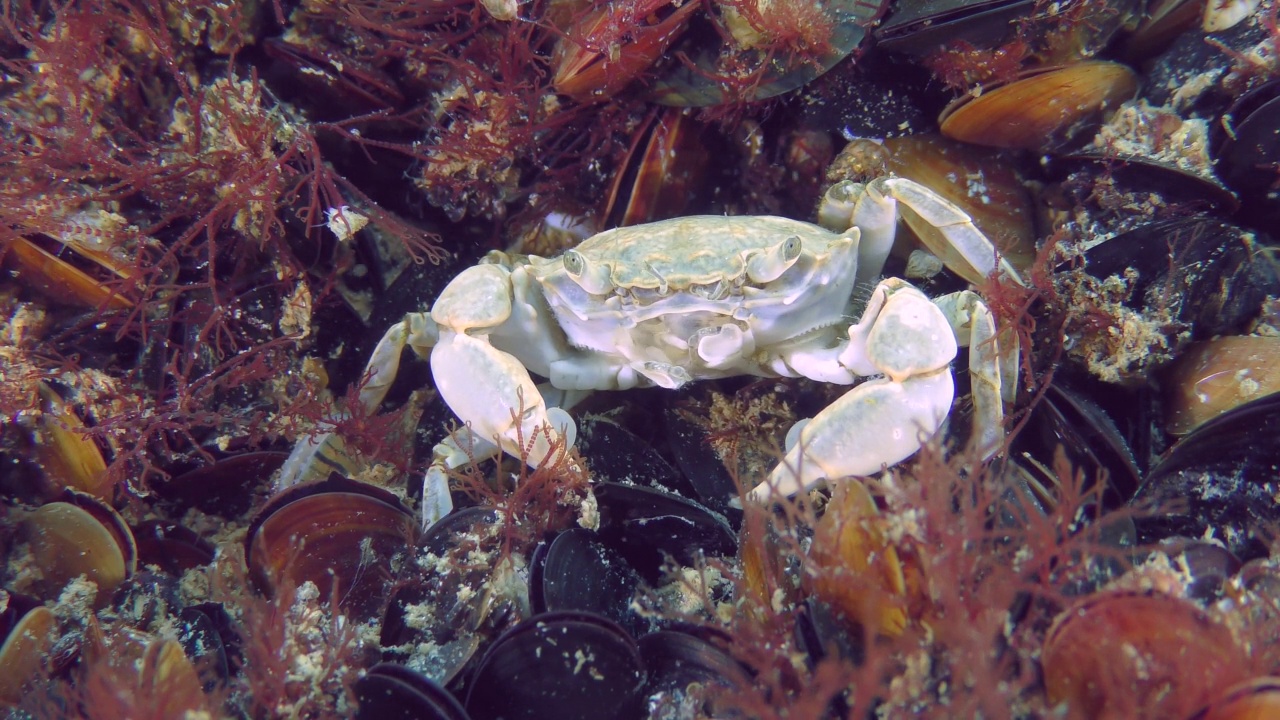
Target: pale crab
{"x": 694, "y": 298}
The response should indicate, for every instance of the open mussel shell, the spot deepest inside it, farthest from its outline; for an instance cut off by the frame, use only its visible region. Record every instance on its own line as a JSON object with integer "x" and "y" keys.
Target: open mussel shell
{"x": 558, "y": 666}
{"x": 647, "y": 526}
{"x": 576, "y": 571}
{"x": 1216, "y": 375}
{"x": 1042, "y": 111}
{"x": 663, "y": 171}
{"x": 61, "y": 281}
{"x": 338, "y": 533}
{"x": 1220, "y": 477}
{"x": 168, "y": 675}
{"x": 853, "y": 566}
{"x": 1138, "y": 655}
{"x": 1257, "y": 699}
{"x": 23, "y": 654}
{"x": 691, "y": 75}
{"x": 80, "y": 535}
{"x": 66, "y": 456}
{"x": 388, "y": 691}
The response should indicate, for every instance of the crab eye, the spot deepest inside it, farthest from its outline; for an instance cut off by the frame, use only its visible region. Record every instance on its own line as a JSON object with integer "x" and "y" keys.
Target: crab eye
{"x": 574, "y": 264}
{"x": 592, "y": 276}
{"x": 768, "y": 264}
{"x": 791, "y": 248}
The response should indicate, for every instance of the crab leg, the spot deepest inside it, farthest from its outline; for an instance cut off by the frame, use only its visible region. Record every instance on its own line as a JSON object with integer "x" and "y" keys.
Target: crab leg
{"x": 947, "y": 230}
{"x": 990, "y": 360}
{"x": 313, "y": 457}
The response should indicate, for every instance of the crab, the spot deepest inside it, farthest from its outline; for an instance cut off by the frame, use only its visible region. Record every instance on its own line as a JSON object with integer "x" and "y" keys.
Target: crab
{"x": 693, "y": 298}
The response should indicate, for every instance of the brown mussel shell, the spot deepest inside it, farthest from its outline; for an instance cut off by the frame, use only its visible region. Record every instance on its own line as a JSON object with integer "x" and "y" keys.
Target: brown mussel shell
{"x": 981, "y": 183}
{"x": 1138, "y": 656}
{"x": 1257, "y": 699}
{"x": 1042, "y": 111}
{"x": 67, "y": 457}
{"x": 80, "y": 535}
{"x": 1214, "y": 376}
{"x": 23, "y": 653}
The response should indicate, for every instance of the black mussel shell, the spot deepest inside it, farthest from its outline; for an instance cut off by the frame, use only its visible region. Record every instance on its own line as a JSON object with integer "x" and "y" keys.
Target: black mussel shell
{"x": 616, "y": 454}
{"x": 707, "y": 474}
{"x": 1222, "y": 476}
{"x": 648, "y": 525}
{"x": 227, "y": 487}
{"x": 576, "y": 571}
{"x": 454, "y": 635}
{"x": 1209, "y": 566}
{"x": 1249, "y": 157}
{"x": 688, "y": 676}
{"x": 822, "y": 630}
{"x": 202, "y": 631}
{"x": 147, "y": 597}
{"x": 1172, "y": 184}
{"x": 1090, "y": 439}
{"x": 1213, "y": 274}
{"x": 690, "y": 75}
{"x": 919, "y": 27}
{"x": 558, "y": 666}
{"x": 393, "y": 692}
{"x": 172, "y": 547}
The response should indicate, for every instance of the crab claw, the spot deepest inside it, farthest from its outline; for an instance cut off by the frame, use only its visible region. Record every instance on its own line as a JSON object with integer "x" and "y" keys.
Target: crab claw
{"x": 876, "y": 424}
{"x": 491, "y": 392}
{"x": 909, "y": 340}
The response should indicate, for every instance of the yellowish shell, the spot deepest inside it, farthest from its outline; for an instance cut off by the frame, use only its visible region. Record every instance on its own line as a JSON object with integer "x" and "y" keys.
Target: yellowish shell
{"x": 1043, "y": 110}
{"x": 1217, "y": 375}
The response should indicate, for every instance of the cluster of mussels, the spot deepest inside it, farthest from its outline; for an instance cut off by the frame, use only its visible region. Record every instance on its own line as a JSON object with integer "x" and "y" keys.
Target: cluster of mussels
{"x": 210, "y": 214}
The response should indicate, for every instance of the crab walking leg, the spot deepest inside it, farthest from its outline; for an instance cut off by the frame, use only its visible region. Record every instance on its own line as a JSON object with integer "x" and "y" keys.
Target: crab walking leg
{"x": 990, "y": 360}
{"x": 416, "y": 330}
{"x": 313, "y": 457}
{"x": 958, "y": 242}
{"x": 875, "y": 214}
